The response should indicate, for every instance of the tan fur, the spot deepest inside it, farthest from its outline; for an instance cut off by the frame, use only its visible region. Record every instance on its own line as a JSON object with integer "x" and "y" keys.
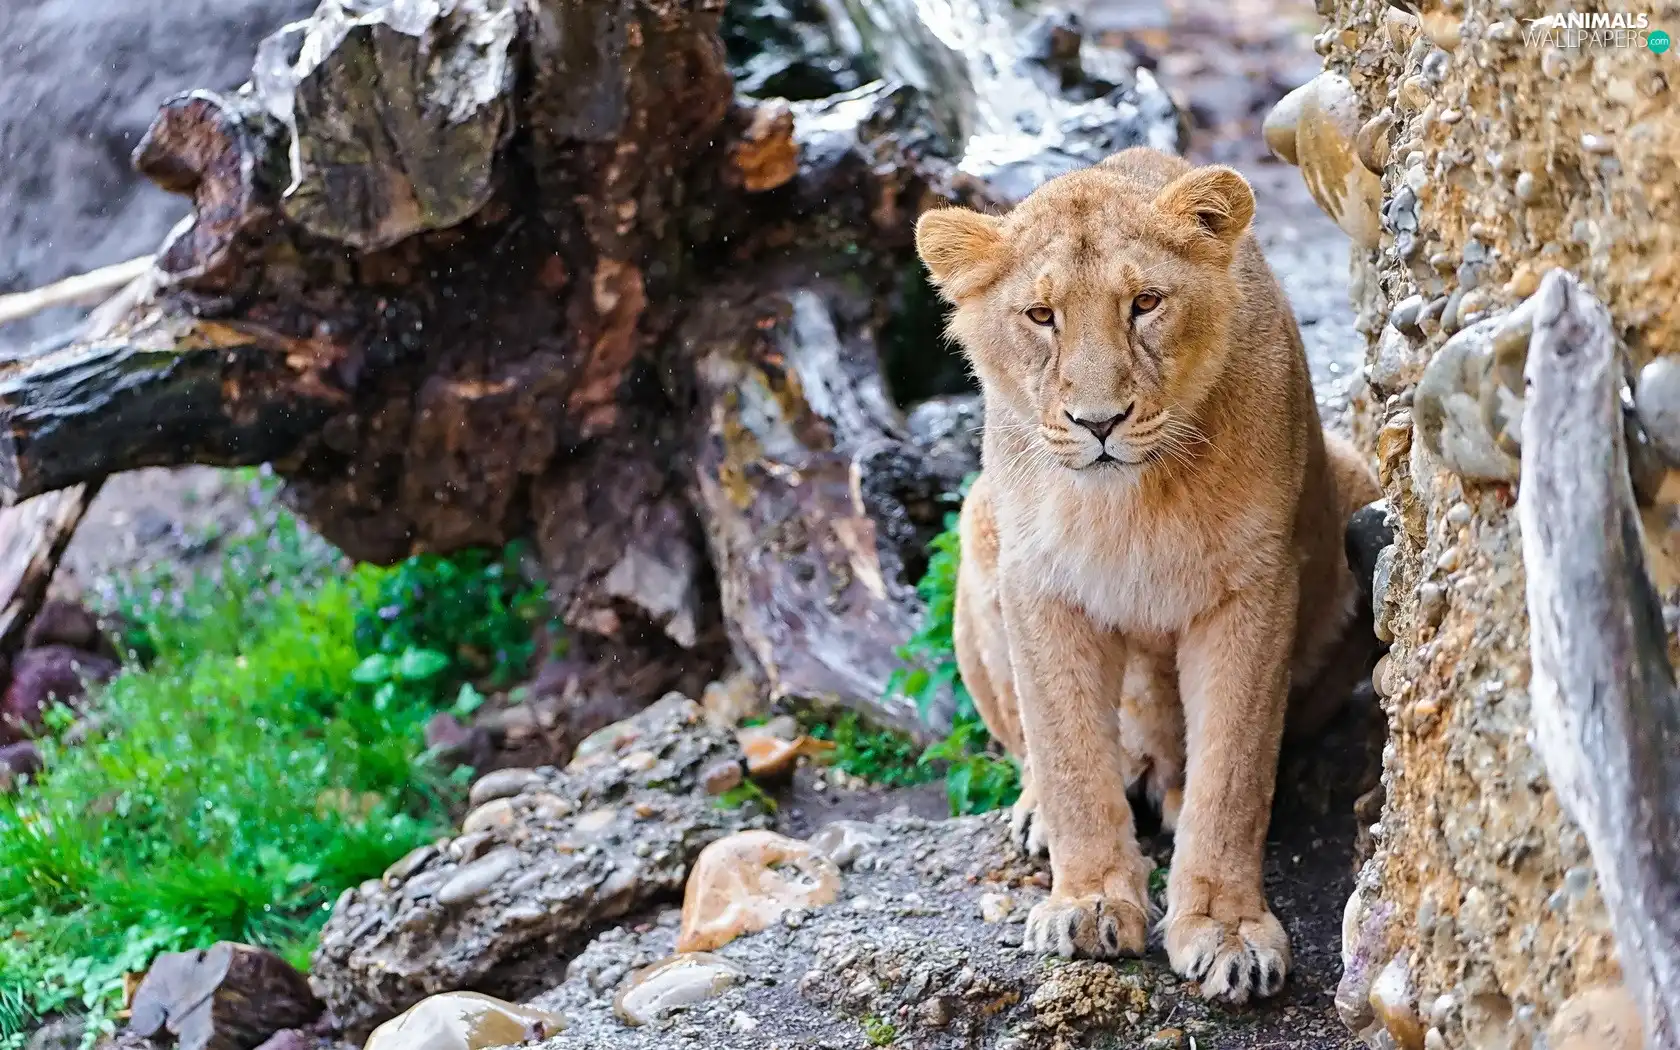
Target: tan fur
{"x": 1140, "y": 622}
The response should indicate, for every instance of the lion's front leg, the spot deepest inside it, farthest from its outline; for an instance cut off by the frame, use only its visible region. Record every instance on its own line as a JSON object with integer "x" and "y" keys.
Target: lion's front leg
{"x": 1234, "y": 682}
{"x": 1066, "y": 671}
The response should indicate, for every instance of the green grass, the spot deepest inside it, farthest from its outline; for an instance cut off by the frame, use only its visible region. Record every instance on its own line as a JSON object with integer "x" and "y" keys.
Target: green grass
{"x": 977, "y": 777}
{"x": 261, "y": 751}
{"x": 878, "y": 1031}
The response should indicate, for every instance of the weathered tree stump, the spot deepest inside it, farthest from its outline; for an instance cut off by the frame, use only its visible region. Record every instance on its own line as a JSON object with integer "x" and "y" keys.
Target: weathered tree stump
{"x": 466, "y": 270}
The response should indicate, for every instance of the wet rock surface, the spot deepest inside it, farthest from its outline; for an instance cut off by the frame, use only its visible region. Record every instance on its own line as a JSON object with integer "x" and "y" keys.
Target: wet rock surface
{"x": 538, "y": 873}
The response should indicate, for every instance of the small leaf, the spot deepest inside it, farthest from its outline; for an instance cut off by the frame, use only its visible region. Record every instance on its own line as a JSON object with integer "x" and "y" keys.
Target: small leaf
{"x": 373, "y": 670}
{"x": 417, "y": 665}
{"x": 467, "y": 701}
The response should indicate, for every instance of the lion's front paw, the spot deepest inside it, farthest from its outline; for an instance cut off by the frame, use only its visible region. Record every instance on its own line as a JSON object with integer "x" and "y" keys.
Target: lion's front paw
{"x": 1091, "y": 927}
{"x": 1026, "y": 828}
{"x": 1232, "y": 961}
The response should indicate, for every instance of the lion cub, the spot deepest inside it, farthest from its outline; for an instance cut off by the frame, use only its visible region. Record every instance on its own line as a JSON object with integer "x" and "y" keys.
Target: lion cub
{"x": 1153, "y": 552}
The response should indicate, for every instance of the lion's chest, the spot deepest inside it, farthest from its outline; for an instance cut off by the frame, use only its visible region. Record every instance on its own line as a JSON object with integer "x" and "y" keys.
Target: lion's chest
{"x": 1130, "y": 568}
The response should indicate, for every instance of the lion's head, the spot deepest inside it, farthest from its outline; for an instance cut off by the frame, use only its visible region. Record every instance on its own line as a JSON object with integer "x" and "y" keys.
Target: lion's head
{"x": 1098, "y": 311}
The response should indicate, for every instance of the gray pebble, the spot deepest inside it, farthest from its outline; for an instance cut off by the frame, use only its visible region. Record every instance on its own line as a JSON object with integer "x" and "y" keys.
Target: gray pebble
{"x": 474, "y": 880}
{"x": 1657, "y": 403}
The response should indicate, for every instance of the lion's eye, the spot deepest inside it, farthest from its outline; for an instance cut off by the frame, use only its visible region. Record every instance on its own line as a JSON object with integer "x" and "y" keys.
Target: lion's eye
{"x": 1041, "y": 315}
{"x": 1145, "y": 303}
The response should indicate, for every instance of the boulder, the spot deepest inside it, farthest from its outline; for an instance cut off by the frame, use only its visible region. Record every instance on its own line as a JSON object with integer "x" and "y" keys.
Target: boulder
{"x": 546, "y": 860}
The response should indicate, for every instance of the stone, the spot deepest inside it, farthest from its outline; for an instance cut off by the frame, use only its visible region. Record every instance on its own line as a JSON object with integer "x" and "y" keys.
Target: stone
{"x": 1656, "y": 401}
{"x": 479, "y": 877}
{"x": 845, "y": 841}
{"x": 1465, "y": 412}
{"x": 502, "y": 783}
{"x": 745, "y": 882}
{"x": 1280, "y": 124}
{"x": 1406, "y": 314}
{"x": 60, "y": 621}
{"x": 732, "y": 700}
{"x": 654, "y": 992}
{"x": 1365, "y": 939}
{"x": 497, "y": 813}
{"x": 42, "y": 678}
{"x": 627, "y": 839}
{"x": 1347, "y": 191}
{"x": 226, "y": 997}
{"x": 1167, "y": 1039}
{"x": 771, "y": 756}
{"x": 722, "y": 777}
{"x": 464, "y": 1021}
{"x": 1394, "y": 1003}
{"x": 17, "y": 760}
{"x": 1600, "y": 1018}
{"x": 996, "y": 907}
{"x": 1372, "y": 144}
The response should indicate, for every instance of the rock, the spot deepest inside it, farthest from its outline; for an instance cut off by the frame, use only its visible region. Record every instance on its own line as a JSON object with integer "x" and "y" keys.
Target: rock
{"x": 463, "y": 1021}
{"x": 1372, "y": 142}
{"x": 584, "y": 847}
{"x": 497, "y": 813}
{"x": 63, "y": 622}
{"x": 291, "y": 1039}
{"x": 60, "y": 1033}
{"x": 770, "y": 756}
{"x": 1657, "y": 403}
{"x": 479, "y": 877}
{"x": 746, "y": 882}
{"x": 1281, "y": 124}
{"x": 226, "y": 997}
{"x": 1167, "y": 1039}
{"x": 733, "y": 700}
{"x": 1325, "y": 142}
{"x": 1365, "y": 940}
{"x": 1466, "y": 412}
{"x": 722, "y": 777}
{"x": 1368, "y": 534}
{"x": 19, "y": 759}
{"x": 680, "y": 981}
{"x": 52, "y": 674}
{"x": 996, "y": 907}
{"x": 456, "y": 744}
{"x": 503, "y": 783}
{"x": 1601, "y": 1018}
{"x": 1394, "y": 1004}
{"x": 845, "y": 841}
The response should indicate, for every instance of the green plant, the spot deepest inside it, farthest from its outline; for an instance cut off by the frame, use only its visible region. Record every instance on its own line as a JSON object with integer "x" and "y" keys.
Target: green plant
{"x": 880, "y": 756}
{"x": 743, "y": 793}
{"x": 474, "y": 610}
{"x": 261, "y": 751}
{"x": 878, "y": 1031}
{"x": 977, "y": 779}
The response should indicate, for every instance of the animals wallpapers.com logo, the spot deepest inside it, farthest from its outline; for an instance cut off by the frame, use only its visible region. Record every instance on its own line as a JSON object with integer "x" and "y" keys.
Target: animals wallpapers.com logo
{"x": 1576, "y": 29}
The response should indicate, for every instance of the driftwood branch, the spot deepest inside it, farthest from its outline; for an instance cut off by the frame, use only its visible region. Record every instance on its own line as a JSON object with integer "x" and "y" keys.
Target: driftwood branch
{"x": 1606, "y": 710}
{"x": 84, "y": 289}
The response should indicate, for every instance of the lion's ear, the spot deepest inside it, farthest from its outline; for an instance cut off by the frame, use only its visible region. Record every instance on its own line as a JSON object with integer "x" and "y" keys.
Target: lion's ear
{"x": 1216, "y": 198}
{"x": 962, "y": 250}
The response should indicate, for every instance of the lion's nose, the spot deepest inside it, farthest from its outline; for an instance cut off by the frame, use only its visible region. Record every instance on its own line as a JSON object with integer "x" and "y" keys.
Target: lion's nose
{"x": 1101, "y": 427}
